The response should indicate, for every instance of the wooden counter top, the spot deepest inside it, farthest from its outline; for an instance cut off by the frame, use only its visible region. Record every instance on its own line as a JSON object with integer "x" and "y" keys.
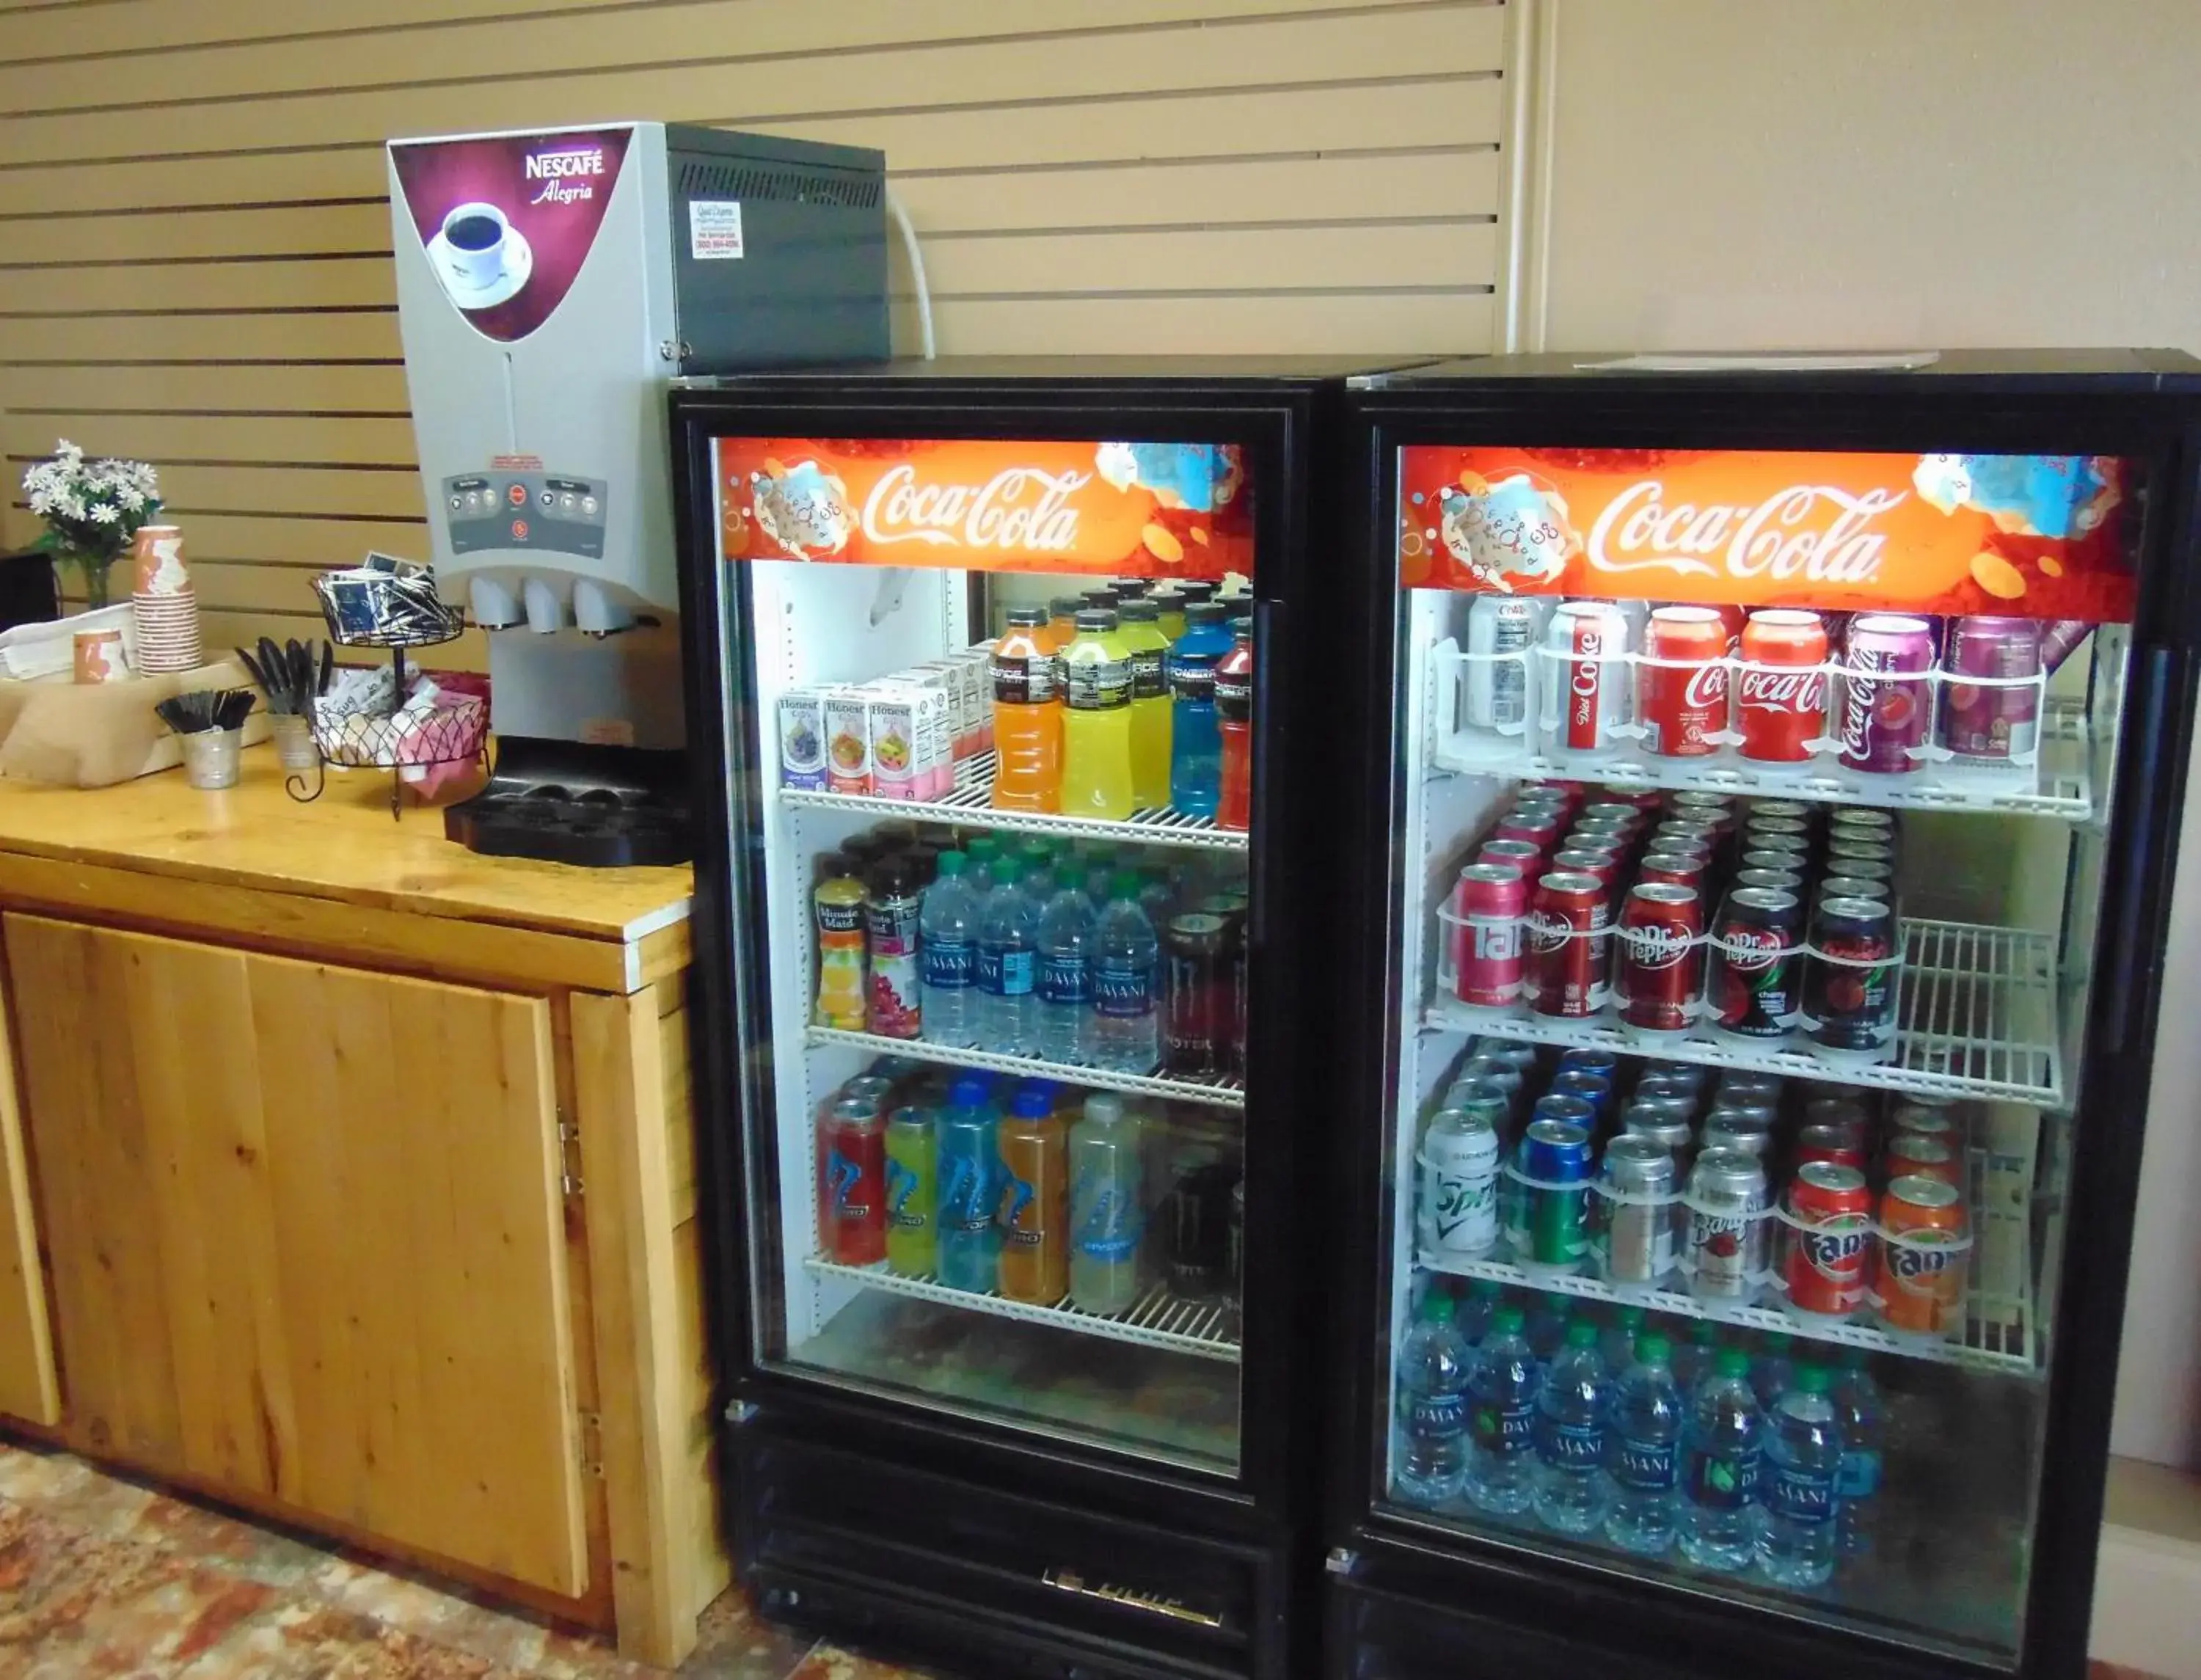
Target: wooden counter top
{"x": 346, "y": 852}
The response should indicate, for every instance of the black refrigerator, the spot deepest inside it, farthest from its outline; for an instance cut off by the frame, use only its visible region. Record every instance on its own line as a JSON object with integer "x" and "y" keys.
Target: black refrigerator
{"x": 1764, "y": 805}
{"x": 1000, "y": 677}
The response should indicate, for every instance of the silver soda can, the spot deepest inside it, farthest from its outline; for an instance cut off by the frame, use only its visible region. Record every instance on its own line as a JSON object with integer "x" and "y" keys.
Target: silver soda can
{"x": 1734, "y": 1131}
{"x": 1501, "y": 632}
{"x": 1459, "y": 1183}
{"x": 1639, "y": 1233}
{"x": 1690, "y": 1073}
{"x": 1518, "y": 1056}
{"x": 1727, "y": 1244}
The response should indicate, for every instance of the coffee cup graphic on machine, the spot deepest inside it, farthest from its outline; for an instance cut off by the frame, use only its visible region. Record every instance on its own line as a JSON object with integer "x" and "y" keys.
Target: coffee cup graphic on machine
{"x": 474, "y": 239}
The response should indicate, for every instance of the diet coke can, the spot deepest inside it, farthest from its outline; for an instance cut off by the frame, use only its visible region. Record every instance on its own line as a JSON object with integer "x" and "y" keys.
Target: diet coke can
{"x": 1492, "y": 901}
{"x": 1660, "y": 930}
{"x": 1684, "y": 688}
{"x": 1570, "y": 945}
{"x": 1829, "y": 1239}
{"x": 1780, "y": 702}
{"x": 2000, "y": 721}
{"x": 1501, "y": 631}
{"x": 1585, "y": 679}
{"x": 1886, "y": 705}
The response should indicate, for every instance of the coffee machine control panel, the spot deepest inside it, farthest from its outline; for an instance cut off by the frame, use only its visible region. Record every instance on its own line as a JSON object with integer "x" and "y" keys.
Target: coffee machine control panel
{"x": 548, "y": 513}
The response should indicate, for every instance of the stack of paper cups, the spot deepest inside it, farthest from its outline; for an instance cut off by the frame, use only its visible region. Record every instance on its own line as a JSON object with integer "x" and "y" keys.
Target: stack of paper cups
{"x": 165, "y": 607}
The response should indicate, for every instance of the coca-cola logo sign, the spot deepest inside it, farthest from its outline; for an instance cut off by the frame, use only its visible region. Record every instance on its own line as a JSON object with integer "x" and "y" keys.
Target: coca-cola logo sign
{"x": 1817, "y": 533}
{"x": 1803, "y": 692}
{"x": 1019, "y": 507}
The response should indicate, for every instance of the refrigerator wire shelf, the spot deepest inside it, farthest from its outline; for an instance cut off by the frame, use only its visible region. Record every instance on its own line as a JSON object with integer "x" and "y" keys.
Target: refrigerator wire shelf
{"x": 2059, "y": 786}
{"x": 1206, "y": 1328}
{"x": 1976, "y": 1018}
{"x": 970, "y": 805}
{"x": 2000, "y": 1332}
{"x": 1223, "y": 1092}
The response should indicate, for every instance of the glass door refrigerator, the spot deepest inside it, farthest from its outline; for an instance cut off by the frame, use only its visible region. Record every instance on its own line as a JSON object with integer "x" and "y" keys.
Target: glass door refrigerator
{"x": 991, "y": 678}
{"x": 1765, "y": 819}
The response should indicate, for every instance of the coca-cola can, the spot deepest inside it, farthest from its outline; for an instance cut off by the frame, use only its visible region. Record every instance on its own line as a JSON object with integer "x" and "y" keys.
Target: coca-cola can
{"x": 1660, "y": 932}
{"x": 1492, "y": 901}
{"x": 1585, "y": 676}
{"x": 1672, "y": 869}
{"x": 1570, "y": 944}
{"x": 1829, "y": 1239}
{"x": 1649, "y": 801}
{"x": 1780, "y": 698}
{"x": 1998, "y": 721}
{"x": 1753, "y": 966}
{"x": 1502, "y": 634}
{"x": 1683, "y": 692}
{"x": 1886, "y": 707}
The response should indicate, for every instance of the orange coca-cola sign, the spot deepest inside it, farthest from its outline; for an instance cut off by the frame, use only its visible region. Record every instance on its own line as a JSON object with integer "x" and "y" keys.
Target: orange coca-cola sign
{"x": 2037, "y": 535}
{"x": 1172, "y": 510}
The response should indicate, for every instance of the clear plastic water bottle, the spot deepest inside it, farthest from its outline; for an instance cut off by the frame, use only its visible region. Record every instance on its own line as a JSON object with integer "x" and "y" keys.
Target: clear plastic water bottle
{"x": 1617, "y": 1342}
{"x": 1694, "y": 1353}
{"x": 1642, "y": 1447}
{"x": 1545, "y": 1327}
{"x": 1433, "y": 1372}
{"x": 1501, "y": 1419}
{"x": 947, "y": 953}
{"x": 1475, "y": 1314}
{"x": 1107, "y": 1205}
{"x": 1722, "y": 1452}
{"x": 1008, "y": 965}
{"x": 1571, "y": 1489}
{"x": 1126, "y": 962}
{"x": 1775, "y": 1373}
{"x": 1862, "y": 1415}
{"x": 1796, "y": 1539}
{"x": 1066, "y": 970}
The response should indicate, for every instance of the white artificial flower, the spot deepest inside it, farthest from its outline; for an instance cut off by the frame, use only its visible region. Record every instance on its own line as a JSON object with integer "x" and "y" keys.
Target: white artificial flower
{"x": 105, "y": 514}
{"x": 132, "y": 497}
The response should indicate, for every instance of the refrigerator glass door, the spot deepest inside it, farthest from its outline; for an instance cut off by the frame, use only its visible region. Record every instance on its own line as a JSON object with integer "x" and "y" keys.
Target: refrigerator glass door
{"x": 1752, "y": 807}
{"x": 1001, "y": 728}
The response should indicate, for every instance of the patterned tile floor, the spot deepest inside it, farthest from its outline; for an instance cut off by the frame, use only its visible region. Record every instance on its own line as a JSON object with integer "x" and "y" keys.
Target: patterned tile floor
{"x": 103, "y": 1579}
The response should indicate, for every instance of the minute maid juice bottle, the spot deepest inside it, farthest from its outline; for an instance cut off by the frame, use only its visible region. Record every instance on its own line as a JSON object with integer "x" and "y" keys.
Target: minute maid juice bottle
{"x": 842, "y": 964}
{"x": 1096, "y": 721}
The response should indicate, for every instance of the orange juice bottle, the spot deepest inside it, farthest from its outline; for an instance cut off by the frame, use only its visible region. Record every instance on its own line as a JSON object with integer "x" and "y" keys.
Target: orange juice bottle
{"x": 1035, "y": 1195}
{"x": 1027, "y": 716}
{"x": 1096, "y": 720}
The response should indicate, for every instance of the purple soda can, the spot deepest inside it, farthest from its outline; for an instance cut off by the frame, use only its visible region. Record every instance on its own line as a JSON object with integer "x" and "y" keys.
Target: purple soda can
{"x": 1997, "y": 722}
{"x": 2061, "y": 639}
{"x": 1885, "y": 708}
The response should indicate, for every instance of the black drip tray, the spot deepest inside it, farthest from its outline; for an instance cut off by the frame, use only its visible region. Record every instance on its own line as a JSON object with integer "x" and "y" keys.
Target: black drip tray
{"x": 602, "y": 807}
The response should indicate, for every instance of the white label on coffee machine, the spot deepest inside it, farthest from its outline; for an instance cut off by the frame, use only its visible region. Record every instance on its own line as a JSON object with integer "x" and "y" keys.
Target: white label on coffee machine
{"x": 714, "y": 229}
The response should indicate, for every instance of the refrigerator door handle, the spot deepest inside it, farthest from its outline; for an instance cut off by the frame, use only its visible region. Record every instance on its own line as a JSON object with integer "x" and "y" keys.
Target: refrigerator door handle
{"x": 1272, "y": 632}
{"x": 1130, "y": 1598}
{"x": 2165, "y": 687}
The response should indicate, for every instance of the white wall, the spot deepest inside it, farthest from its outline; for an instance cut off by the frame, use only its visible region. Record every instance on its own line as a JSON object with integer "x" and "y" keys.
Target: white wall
{"x": 1747, "y": 173}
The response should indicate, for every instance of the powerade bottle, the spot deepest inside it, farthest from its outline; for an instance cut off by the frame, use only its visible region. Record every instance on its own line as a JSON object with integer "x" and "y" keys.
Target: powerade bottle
{"x": 1642, "y": 1447}
{"x": 1433, "y": 1382}
{"x": 947, "y": 953}
{"x": 1501, "y": 1419}
{"x": 1008, "y": 964}
{"x": 1195, "y": 740}
{"x": 1233, "y": 717}
{"x": 912, "y": 1194}
{"x": 1107, "y": 1207}
{"x": 1723, "y": 1453}
{"x": 968, "y": 1162}
{"x": 1065, "y": 1032}
{"x": 1570, "y": 1484}
{"x": 1796, "y": 1542}
{"x": 1150, "y": 704}
{"x": 1863, "y": 1417}
{"x": 1096, "y": 720}
{"x": 1126, "y": 970}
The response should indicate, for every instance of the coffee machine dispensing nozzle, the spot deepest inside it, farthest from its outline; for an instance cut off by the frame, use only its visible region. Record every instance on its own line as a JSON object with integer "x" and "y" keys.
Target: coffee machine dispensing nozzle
{"x": 494, "y": 608}
{"x": 546, "y": 613}
{"x": 595, "y": 612}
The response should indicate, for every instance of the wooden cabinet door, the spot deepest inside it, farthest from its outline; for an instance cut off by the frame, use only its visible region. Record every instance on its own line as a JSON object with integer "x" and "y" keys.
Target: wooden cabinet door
{"x": 27, "y": 1388}
{"x": 307, "y": 1228}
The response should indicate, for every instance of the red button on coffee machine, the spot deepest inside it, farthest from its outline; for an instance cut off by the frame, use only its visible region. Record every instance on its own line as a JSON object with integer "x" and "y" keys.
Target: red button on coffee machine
{"x": 517, "y": 494}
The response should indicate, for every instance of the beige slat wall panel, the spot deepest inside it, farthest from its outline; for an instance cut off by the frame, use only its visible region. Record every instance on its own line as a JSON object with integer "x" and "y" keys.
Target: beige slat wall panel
{"x": 1411, "y": 110}
{"x": 1373, "y": 41}
{"x": 721, "y": 32}
{"x": 194, "y": 241}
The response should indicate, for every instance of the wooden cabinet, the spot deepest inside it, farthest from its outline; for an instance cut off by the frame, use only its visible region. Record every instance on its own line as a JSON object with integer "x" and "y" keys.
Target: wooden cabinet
{"x": 308, "y": 1236}
{"x": 27, "y": 1388}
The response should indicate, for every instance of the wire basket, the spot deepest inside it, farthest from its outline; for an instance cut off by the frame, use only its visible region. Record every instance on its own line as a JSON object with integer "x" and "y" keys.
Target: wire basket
{"x": 362, "y": 737}
{"x": 386, "y": 609}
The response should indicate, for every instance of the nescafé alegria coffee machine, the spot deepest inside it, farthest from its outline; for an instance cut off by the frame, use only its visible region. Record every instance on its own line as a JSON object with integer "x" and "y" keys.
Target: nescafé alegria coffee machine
{"x": 548, "y": 285}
